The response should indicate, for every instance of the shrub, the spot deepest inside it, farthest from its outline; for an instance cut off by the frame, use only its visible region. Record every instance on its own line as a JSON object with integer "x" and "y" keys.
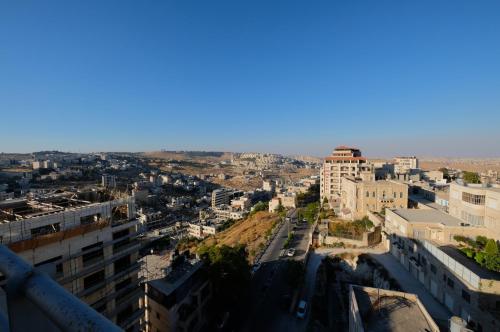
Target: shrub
{"x": 481, "y": 240}
{"x": 491, "y": 248}
{"x": 480, "y": 258}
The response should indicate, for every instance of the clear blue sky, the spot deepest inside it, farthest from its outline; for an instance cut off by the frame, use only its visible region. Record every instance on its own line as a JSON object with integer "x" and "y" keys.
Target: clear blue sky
{"x": 392, "y": 77}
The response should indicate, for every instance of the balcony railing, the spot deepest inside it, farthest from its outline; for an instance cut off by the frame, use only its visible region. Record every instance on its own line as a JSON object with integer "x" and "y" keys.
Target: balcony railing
{"x": 33, "y": 294}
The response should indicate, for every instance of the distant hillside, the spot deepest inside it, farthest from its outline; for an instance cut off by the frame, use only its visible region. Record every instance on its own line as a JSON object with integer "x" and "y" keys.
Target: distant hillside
{"x": 194, "y": 155}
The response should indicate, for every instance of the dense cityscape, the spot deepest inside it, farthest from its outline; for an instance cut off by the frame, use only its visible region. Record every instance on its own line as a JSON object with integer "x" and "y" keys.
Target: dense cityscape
{"x": 249, "y": 166}
{"x": 199, "y": 241}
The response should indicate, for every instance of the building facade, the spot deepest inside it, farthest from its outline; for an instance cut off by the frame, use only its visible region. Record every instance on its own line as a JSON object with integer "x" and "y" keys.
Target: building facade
{"x": 86, "y": 243}
{"x": 219, "y": 197}
{"x": 344, "y": 161}
{"x": 403, "y": 165}
{"x": 477, "y": 205}
{"x": 423, "y": 242}
{"x": 179, "y": 301}
{"x": 359, "y": 197}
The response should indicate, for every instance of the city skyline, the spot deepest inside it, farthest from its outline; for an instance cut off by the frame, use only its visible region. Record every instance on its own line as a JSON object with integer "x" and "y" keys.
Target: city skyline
{"x": 391, "y": 78}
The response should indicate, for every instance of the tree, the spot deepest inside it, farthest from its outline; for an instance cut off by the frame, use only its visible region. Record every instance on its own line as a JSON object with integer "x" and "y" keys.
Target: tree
{"x": 260, "y": 206}
{"x": 229, "y": 273}
{"x": 446, "y": 173}
{"x": 491, "y": 248}
{"x": 471, "y": 177}
{"x": 325, "y": 201}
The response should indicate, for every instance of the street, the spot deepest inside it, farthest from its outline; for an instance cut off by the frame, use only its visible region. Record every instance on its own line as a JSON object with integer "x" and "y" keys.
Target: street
{"x": 269, "y": 307}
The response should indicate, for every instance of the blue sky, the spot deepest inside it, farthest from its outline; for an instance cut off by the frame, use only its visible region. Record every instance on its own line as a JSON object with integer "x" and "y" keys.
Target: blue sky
{"x": 392, "y": 77}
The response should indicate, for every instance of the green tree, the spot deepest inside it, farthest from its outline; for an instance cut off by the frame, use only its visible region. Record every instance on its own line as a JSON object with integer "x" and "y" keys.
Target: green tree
{"x": 480, "y": 258}
{"x": 229, "y": 273}
{"x": 446, "y": 173}
{"x": 260, "y": 206}
{"x": 471, "y": 177}
{"x": 491, "y": 248}
{"x": 481, "y": 240}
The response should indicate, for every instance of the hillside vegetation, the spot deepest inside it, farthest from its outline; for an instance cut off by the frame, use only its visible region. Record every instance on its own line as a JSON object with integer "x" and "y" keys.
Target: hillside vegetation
{"x": 250, "y": 232}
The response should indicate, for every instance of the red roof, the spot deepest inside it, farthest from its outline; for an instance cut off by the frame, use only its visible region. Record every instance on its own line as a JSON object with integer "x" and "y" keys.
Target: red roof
{"x": 344, "y": 147}
{"x": 346, "y": 158}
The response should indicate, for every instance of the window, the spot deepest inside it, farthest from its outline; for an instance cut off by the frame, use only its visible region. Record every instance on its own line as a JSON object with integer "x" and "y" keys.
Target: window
{"x": 433, "y": 268}
{"x": 158, "y": 315}
{"x": 401, "y": 195}
{"x": 367, "y": 194}
{"x": 465, "y": 296}
{"x": 473, "y": 199}
{"x": 472, "y": 218}
{"x": 93, "y": 279}
{"x": 92, "y": 256}
{"x": 394, "y": 194}
{"x": 444, "y": 277}
{"x": 450, "y": 283}
{"x": 53, "y": 228}
{"x": 373, "y": 194}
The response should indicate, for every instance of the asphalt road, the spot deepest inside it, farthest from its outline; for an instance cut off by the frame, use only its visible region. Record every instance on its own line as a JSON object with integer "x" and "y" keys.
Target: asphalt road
{"x": 270, "y": 294}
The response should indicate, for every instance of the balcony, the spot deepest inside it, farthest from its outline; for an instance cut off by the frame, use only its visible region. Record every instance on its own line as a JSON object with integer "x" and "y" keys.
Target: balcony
{"x": 31, "y": 293}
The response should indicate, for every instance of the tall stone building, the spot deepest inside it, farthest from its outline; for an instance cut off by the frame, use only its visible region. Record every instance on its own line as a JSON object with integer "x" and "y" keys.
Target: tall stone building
{"x": 344, "y": 161}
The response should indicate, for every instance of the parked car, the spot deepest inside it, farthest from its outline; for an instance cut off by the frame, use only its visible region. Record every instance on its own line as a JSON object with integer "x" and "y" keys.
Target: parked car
{"x": 302, "y": 309}
{"x": 290, "y": 252}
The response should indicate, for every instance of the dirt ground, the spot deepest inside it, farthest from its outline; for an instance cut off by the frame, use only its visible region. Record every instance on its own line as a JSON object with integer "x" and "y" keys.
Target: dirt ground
{"x": 251, "y": 232}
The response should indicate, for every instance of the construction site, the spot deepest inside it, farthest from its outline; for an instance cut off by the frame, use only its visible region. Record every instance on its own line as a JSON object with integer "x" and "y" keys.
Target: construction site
{"x": 86, "y": 241}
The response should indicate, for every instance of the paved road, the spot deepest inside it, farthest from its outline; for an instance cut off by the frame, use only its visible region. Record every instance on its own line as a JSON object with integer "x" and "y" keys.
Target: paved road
{"x": 271, "y": 295}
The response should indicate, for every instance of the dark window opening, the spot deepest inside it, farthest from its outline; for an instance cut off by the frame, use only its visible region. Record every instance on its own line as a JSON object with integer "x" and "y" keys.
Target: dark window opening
{"x": 93, "y": 279}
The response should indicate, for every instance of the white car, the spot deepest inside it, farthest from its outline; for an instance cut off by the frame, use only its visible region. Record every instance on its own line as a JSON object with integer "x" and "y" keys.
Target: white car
{"x": 302, "y": 309}
{"x": 290, "y": 252}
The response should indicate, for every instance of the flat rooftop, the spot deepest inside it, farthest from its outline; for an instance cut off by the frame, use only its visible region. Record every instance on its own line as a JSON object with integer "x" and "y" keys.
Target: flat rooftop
{"x": 383, "y": 310}
{"x": 469, "y": 263}
{"x": 176, "y": 277}
{"x": 427, "y": 216}
{"x": 24, "y": 208}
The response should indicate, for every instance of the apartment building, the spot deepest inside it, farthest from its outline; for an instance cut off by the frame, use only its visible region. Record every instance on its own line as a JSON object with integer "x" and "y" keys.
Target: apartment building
{"x": 359, "y": 197}
{"x": 219, "y": 197}
{"x": 477, "y": 205}
{"x": 202, "y": 229}
{"x": 179, "y": 301}
{"x": 344, "y": 161}
{"x": 86, "y": 242}
{"x": 403, "y": 165}
{"x": 423, "y": 242}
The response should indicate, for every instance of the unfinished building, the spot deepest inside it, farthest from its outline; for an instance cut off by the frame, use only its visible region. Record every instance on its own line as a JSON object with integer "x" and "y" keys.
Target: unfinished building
{"x": 84, "y": 241}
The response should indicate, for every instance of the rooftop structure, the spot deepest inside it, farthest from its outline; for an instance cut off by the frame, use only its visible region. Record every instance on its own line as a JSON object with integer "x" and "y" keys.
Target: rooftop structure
{"x": 178, "y": 301}
{"x": 86, "y": 241}
{"x": 381, "y": 310}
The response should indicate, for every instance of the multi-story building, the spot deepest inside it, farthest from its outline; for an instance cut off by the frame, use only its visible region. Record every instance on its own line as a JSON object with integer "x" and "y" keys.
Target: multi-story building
{"x": 202, "y": 229}
{"x": 219, "y": 197}
{"x": 108, "y": 181}
{"x": 359, "y": 197}
{"x": 423, "y": 241}
{"x": 477, "y": 205}
{"x": 403, "y": 165}
{"x": 179, "y": 301}
{"x": 344, "y": 161}
{"x": 84, "y": 241}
